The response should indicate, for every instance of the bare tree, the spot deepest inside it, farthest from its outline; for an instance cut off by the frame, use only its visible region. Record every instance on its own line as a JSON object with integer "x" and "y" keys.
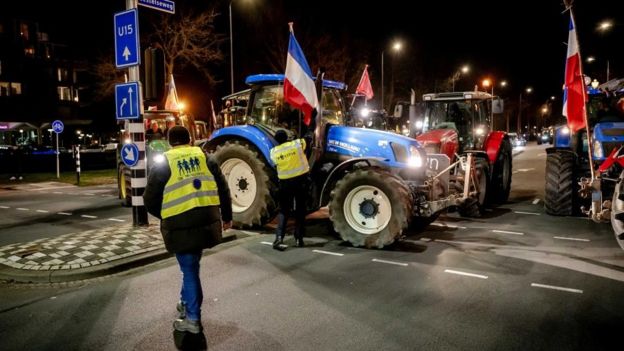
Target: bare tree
{"x": 106, "y": 75}
{"x": 189, "y": 40}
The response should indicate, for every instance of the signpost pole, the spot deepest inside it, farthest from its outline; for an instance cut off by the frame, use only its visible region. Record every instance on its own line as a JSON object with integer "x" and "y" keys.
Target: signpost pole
{"x": 138, "y": 178}
{"x": 58, "y": 168}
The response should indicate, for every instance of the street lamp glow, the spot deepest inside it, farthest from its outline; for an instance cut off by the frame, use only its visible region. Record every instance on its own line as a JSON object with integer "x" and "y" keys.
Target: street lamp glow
{"x": 486, "y": 82}
{"x": 529, "y": 90}
{"x": 553, "y": 97}
{"x": 504, "y": 83}
{"x": 181, "y": 106}
{"x": 605, "y": 25}
{"x": 465, "y": 69}
{"x": 544, "y": 110}
{"x": 590, "y": 59}
{"x": 397, "y": 46}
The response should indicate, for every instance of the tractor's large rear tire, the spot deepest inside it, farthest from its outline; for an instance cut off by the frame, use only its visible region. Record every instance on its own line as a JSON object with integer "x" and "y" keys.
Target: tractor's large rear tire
{"x": 561, "y": 185}
{"x": 123, "y": 185}
{"x": 251, "y": 184}
{"x": 370, "y": 207}
{"x": 617, "y": 211}
{"x": 474, "y": 206}
{"x": 500, "y": 182}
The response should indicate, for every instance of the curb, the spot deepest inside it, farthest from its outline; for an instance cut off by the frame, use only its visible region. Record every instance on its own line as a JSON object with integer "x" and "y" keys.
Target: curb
{"x": 14, "y": 275}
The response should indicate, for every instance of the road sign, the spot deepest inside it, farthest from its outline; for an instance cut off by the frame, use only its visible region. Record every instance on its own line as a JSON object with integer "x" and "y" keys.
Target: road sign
{"x": 57, "y": 126}
{"x": 160, "y": 5}
{"x": 130, "y": 154}
{"x": 127, "y": 39}
{"x": 127, "y": 100}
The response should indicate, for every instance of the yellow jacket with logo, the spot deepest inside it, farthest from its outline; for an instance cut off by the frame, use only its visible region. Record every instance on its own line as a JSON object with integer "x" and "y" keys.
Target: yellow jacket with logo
{"x": 191, "y": 184}
{"x": 290, "y": 159}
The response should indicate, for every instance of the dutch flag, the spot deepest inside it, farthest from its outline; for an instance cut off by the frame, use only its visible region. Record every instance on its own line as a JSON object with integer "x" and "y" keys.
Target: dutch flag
{"x": 574, "y": 87}
{"x": 299, "y": 89}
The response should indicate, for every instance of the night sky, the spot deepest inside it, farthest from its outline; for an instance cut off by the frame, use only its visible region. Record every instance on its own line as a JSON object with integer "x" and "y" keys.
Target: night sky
{"x": 522, "y": 42}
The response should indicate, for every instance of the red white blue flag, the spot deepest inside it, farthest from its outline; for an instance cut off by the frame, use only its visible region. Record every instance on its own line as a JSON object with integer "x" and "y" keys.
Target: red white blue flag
{"x": 574, "y": 87}
{"x": 299, "y": 89}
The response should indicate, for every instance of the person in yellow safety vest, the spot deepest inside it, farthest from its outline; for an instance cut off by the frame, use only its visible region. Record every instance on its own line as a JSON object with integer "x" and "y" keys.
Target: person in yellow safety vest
{"x": 188, "y": 192}
{"x": 292, "y": 171}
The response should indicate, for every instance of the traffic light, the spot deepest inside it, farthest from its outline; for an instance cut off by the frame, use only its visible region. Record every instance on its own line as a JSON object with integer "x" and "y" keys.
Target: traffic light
{"x": 154, "y": 74}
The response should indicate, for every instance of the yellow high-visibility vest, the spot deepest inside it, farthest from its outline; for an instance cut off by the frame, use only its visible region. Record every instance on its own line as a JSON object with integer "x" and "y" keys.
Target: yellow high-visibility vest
{"x": 290, "y": 159}
{"x": 191, "y": 184}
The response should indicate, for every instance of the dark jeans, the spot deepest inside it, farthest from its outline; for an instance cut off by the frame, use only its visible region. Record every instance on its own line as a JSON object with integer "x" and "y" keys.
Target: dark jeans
{"x": 292, "y": 189}
{"x": 191, "y": 294}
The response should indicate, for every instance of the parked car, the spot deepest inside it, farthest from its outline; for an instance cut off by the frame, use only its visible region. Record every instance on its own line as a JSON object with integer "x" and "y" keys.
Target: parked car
{"x": 517, "y": 140}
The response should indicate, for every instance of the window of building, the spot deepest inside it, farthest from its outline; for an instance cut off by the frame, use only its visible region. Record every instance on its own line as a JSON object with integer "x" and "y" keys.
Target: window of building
{"x": 62, "y": 74}
{"x": 4, "y": 88}
{"x": 64, "y": 93}
{"x": 16, "y": 88}
{"x": 76, "y": 98}
{"x": 29, "y": 51}
{"x": 24, "y": 30}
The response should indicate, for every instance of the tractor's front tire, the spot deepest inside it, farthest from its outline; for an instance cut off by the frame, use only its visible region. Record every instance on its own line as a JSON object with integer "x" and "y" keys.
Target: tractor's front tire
{"x": 123, "y": 187}
{"x": 617, "y": 211}
{"x": 561, "y": 185}
{"x": 474, "y": 206}
{"x": 370, "y": 207}
{"x": 500, "y": 182}
{"x": 251, "y": 184}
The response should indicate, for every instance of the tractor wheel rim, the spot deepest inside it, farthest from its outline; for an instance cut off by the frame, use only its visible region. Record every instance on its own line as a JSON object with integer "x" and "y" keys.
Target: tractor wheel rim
{"x": 617, "y": 208}
{"x": 238, "y": 172}
{"x": 361, "y": 197}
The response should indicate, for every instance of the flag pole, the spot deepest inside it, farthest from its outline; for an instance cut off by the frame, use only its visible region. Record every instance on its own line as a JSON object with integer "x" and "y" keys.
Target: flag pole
{"x": 590, "y": 144}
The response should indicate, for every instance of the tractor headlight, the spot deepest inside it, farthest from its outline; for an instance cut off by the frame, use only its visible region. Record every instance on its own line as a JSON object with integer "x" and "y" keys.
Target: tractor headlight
{"x": 158, "y": 158}
{"x": 415, "y": 159}
{"x": 598, "y": 152}
{"x": 565, "y": 131}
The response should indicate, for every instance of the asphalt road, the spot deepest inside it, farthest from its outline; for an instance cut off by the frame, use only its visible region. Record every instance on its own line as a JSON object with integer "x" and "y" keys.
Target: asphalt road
{"x": 43, "y": 210}
{"x": 515, "y": 279}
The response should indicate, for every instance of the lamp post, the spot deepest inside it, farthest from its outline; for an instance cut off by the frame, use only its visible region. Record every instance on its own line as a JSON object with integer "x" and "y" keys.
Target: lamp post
{"x": 463, "y": 70}
{"x": 528, "y": 90}
{"x": 231, "y": 53}
{"x": 396, "y": 47}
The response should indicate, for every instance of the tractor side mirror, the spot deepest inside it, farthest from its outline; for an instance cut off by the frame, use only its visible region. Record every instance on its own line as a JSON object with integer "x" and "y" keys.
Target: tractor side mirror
{"x": 398, "y": 111}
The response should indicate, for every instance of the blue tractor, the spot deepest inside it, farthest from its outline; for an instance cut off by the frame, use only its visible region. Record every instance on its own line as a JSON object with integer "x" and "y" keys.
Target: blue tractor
{"x": 375, "y": 183}
{"x": 570, "y": 189}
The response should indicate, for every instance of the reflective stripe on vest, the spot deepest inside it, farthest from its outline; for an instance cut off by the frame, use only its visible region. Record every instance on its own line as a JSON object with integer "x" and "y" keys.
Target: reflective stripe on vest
{"x": 191, "y": 184}
{"x": 290, "y": 159}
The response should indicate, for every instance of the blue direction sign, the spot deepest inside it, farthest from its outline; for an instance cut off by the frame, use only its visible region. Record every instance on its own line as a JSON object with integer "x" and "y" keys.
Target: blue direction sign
{"x": 57, "y": 126}
{"x": 130, "y": 154}
{"x": 127, "y": 100}
{"x": 127, "y": 39}
{"x": 161, "y": 5}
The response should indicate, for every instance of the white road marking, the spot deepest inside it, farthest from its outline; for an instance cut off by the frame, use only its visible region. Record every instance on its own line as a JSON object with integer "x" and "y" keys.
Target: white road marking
{"x": 328, "y": 252}
{"x": 536, "y": 201}
{"x": 116, "y": 220}
{"x": 528, "y": 213}
{"x": 506, "y": 232}
{"x": 4, "y": 207}
{"x": 535, "y": 285}
{"x": 64, "y": 213}
{"x": 88, "y": 216}
{"x": 448, "y": 225}
{"x": 573, "y": 239}
{"x": 466, "y": 274}
{"x": 43, "y": 211}
{"x": 525, "y": 169}
{"x": 51, "y": 187}
{"x": 266, "y": 243}
{"x": 90, "y": 194}
{"x": 390, "y": 262}
{"x": 22, "y": 209}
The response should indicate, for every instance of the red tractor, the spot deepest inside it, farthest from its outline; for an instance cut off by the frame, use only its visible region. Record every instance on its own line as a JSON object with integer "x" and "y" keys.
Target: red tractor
{"x": 456, "y": 123}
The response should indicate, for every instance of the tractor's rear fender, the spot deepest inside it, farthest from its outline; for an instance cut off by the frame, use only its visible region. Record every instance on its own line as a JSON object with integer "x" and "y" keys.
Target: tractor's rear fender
{"x": 251, "y": 135}
{"x": 492, "y": 145}
{"x": 339, "y": 171}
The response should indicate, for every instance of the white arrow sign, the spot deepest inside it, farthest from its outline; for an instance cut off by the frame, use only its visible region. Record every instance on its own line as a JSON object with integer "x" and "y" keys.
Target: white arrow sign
{"x": 126, "y": 53}
{"x": 129, "y": 154}
{"x": 130, "y": 91}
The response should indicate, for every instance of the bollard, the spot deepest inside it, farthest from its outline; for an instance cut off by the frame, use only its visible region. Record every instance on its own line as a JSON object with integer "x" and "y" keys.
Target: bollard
{"x": 77, "y": 153}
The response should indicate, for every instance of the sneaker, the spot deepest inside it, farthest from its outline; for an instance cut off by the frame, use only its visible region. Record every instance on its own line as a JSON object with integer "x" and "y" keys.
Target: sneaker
{"x": 181, "y": 310}
{"x": 278, "y": 244}
{"x": 187, "y": 325}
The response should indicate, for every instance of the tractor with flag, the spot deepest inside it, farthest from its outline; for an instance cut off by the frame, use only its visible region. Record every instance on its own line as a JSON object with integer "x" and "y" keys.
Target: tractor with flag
{"x": 375, "y": 183}
{"x": 584, "y": 168}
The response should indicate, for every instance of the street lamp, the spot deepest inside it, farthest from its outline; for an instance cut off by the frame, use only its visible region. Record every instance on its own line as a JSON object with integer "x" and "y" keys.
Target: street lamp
{"x": 396, "y": 47}
{"x": 528, "y": 90}
{"x": 231, "y": 51}
{"x": 605, "y": 26}
{"x": 590, "y": 59}
{"x": 463, "y": 70}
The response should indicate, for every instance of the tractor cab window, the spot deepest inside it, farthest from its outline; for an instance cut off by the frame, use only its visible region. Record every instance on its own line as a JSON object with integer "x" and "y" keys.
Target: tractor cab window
{"x": 448, "y": 115}
{"x": 332, "y": 107}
